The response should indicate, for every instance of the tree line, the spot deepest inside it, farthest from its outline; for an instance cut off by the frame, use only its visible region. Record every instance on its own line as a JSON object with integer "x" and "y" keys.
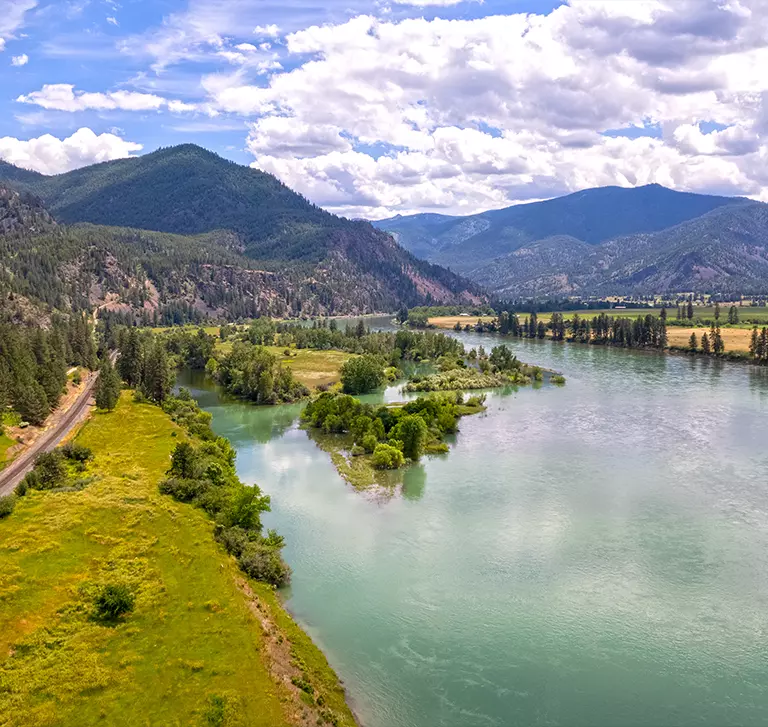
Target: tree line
{"x": 34, "y": 362}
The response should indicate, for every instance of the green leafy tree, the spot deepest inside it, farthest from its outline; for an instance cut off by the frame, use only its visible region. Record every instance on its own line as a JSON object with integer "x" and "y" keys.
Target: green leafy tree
{"x": 185, "y": 461}
{"x": 362, "y": 374}
{"x": 412, "y": 431}
{"x": 386, "y": 457}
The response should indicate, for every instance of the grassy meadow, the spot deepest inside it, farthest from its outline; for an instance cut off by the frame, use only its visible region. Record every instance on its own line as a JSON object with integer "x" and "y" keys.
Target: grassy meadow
{"x": 313, "y": 368}
{"x": 202, "y": 647}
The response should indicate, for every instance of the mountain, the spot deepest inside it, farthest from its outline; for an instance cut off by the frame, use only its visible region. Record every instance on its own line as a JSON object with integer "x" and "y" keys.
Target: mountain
{"x": 216, "y": 219}
{"x": 578, "y": 243}
{"x": 724, "y": 251}
{"x": 593, "y": 216}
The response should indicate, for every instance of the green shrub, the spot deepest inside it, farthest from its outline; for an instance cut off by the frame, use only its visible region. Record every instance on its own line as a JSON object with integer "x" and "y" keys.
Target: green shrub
{"x": 22, "y": 488}
{"x": 557, "y": 379}
{"x": 113, "y": 601}
{"x": 264, "y": 564}
{"x": 369, "y": 442}
{"x": 77, "y": 452}
{"x": 386, "y": 457}
{"x": 7, "y": 503}
{"x": 49, "y": 468}
{"x": 183, "y": 489}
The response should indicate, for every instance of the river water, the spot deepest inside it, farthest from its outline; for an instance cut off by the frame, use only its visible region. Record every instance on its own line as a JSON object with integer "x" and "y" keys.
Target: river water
{"x": 594, "y": 555}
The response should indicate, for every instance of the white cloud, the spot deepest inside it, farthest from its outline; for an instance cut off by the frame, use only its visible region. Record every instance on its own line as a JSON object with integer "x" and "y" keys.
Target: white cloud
{"x": 12, "y": 18}
{"x": 267, "y": 31}
{"x": 112, "y": 20}
{"x": 50, "y": 155}
{"x": 63, "y": 97}
{"x": 19, "y": 61}
{"x": 471, "y": 114}
{"x": 425, "y": 3}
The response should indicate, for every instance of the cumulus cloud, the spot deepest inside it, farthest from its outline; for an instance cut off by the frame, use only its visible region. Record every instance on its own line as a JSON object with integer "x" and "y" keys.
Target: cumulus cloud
{"x": 19, "y": 61}
{"x": 50, "y": 155}
{"x": 470, "y": 114}
{"x": 112, "y": 20}
{"x": 266, "y": 31}
{"x": 64, "y": 97}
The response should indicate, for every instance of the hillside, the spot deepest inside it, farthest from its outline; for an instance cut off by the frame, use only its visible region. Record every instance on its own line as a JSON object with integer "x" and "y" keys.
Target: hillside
{"x": 572, "y": 244}
{"x": 270, "y": 248}
{"x": 723, "y": 251}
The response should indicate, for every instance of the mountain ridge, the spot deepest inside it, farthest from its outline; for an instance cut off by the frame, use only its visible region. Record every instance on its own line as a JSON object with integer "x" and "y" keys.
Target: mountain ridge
{"x": 531, "y": 249}
{"x": 326, "y": 263}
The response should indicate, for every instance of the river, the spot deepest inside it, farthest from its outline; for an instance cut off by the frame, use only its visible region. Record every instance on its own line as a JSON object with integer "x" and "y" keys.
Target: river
{"x": 594, "y": 555}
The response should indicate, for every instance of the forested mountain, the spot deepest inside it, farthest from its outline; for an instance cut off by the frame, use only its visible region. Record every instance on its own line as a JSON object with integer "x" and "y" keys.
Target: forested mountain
{"x": 184, "y": 229}
{"x": 600, "y": 241}
{"x": 723, "y": 251}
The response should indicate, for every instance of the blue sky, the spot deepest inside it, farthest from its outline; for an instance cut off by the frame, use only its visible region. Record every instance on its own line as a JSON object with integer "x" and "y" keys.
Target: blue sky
{"x": 379, "y": 106}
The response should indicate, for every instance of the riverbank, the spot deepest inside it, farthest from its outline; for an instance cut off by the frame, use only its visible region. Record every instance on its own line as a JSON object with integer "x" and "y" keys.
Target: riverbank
{"x": 204, "y": 645}
{"x": 736, "y": 339}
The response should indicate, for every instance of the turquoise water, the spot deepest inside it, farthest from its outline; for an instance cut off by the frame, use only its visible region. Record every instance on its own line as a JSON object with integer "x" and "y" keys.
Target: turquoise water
{"x": 590, "y": 555}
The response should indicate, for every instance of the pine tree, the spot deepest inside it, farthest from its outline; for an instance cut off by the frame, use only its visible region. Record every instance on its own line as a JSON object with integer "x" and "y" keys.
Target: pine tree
{"x": 692, "y": 343}
{"x": 690, "y": 309}
{"x": 108, "y": 386}
{"x": 717, "y": 311}
{"x": 131, "y": 361}
{"x": 157, "y": 378}
{"x": 705, "y": 348}
{"x": 30, "y": 401}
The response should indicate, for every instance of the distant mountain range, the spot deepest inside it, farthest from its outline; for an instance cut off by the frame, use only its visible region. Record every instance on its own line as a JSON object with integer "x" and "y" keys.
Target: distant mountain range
{"x": 183, "y": 227}
{"x": 603, "y": 241}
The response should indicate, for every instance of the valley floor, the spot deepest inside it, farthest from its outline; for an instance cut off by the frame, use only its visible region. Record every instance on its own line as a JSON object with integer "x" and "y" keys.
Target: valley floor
{"x": 204, "y": 646}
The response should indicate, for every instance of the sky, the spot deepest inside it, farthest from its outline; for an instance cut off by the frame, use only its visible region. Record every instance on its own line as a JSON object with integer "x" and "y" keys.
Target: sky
{"x": 372, "y": 108}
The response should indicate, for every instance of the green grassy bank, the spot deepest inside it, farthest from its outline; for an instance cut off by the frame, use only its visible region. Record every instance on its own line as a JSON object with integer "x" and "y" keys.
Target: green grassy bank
{"x": 203, "y": 646}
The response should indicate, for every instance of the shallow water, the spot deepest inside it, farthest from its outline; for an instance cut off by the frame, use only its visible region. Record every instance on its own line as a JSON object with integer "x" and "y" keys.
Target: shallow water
{"x": 593, "y": 555}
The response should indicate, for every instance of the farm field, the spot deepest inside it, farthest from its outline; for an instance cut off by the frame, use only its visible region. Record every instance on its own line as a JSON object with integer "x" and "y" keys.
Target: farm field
{"x": 195, "y": 649}
{"x": 735, "y": 339}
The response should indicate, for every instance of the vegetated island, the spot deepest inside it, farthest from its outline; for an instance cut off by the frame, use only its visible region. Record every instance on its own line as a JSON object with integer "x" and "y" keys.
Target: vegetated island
{"x": 366, "y": 443}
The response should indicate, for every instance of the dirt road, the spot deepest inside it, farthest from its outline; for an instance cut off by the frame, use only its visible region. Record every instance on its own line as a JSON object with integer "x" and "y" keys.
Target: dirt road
{"x": 15, "y": 471}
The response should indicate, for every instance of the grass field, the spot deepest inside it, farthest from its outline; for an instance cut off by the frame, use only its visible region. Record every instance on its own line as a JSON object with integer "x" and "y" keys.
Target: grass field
{"x": 202, "y": 646}
{"x": 5, "y": 444}
{"x": 735, "y": 339}
{"x": 313, "y": 368}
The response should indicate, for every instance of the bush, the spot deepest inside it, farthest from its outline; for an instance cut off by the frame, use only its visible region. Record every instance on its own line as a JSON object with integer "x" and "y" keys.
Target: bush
{"x": 114, "y": 600}
{"x": 49, "y": 468}
{"x": 183, "y": 489}
{"x": 386, "y": 457}
{"x": 7, "y": 503}
{"x": 77, "y": 452}
{"x": 558, "y": 379}
{"x": 369, "y": 443}
{"x": 264, "y": 564}
{"x": 22, "y": 488}
{"x": 235, "y": 539}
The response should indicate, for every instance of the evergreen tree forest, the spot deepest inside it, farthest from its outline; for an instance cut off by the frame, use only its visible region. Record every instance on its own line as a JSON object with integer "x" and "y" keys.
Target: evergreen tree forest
{"x": 34, "y": 362}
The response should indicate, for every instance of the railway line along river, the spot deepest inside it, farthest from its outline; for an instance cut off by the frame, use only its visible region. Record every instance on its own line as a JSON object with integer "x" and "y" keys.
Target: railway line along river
{"x": 594, "y": 555}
